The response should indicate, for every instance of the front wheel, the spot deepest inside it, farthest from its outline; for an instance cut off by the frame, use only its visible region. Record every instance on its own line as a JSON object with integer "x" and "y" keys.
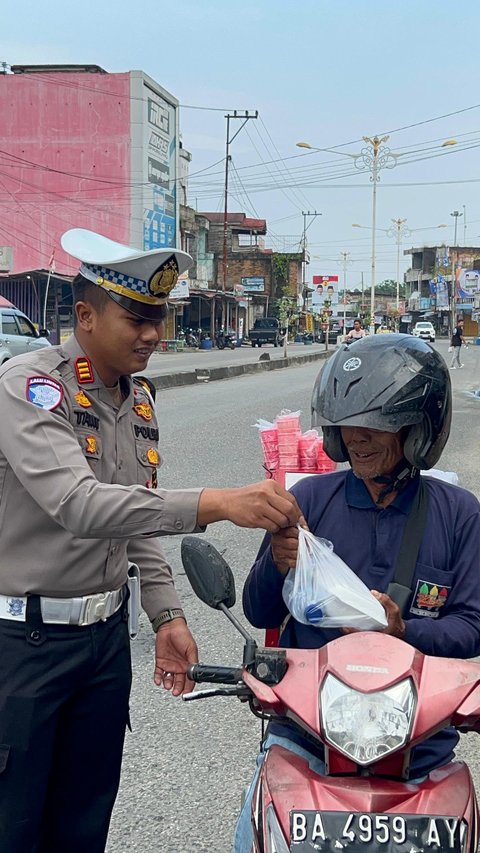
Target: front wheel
{"x": 253, "y": 343}
{"x": 231, "y": 345}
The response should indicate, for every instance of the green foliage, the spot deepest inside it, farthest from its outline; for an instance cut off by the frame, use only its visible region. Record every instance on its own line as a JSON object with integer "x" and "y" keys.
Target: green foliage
{"x": 280, "y": 269}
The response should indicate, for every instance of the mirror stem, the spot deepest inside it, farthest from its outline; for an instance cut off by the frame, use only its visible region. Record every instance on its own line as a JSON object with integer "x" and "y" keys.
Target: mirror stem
{"x": 250, "y": 644}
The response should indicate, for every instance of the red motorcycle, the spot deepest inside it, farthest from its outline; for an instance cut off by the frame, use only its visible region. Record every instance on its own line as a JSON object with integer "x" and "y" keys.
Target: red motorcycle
{"x": 368, "y": 699}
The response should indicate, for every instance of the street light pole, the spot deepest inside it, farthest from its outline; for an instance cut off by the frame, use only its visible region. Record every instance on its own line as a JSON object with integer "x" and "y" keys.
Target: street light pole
{"x": 374, "y": 157}
{"x": 345, "y": 261}
{"x": 456, "y": 214}
{"x": 399, "y": 232}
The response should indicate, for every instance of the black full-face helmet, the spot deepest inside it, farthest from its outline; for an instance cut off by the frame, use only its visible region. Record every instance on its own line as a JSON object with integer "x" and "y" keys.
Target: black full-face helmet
{"x": 386, "y": 382}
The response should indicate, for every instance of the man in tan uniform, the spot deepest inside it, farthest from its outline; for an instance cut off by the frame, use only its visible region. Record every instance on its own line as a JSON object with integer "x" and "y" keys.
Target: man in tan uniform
{"x": 78, "y": 501}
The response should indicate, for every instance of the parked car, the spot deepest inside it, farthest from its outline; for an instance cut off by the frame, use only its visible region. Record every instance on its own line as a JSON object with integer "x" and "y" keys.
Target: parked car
{"x": 266, "y": 330}
{"x": 17, "y": 332}
{"x": 333, "y": 334}
{"x": 424, "y": 330}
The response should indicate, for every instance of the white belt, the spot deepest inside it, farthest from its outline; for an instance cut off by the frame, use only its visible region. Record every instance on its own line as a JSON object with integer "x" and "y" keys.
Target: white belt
{"x": 83, "y": 610}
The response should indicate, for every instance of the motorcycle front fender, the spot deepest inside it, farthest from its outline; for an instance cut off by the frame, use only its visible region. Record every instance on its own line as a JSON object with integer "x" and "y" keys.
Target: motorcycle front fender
{"x": 288, "y": 782}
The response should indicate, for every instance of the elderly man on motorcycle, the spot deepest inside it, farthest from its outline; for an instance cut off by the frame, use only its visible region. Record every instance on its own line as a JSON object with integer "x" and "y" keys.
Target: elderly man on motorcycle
{"x": 385, "y": 408}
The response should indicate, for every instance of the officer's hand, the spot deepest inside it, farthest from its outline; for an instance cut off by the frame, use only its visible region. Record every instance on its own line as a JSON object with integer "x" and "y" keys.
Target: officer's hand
{"x": 175, "y": 650}
{"x": 285, "y": 547}
{"x": 396, "y": 625}
{"x": 266, "y": 505}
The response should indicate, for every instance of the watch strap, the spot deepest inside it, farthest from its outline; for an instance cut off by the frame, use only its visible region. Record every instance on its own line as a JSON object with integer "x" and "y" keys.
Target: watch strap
{"x": 166, "y": 616}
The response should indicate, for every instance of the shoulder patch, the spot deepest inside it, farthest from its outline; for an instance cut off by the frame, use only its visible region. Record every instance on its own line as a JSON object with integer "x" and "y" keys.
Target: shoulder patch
{"x": 44, "y": 392}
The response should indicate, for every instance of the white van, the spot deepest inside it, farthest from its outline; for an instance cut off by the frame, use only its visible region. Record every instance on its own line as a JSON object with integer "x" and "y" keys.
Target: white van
{"x": 17, "y": 332}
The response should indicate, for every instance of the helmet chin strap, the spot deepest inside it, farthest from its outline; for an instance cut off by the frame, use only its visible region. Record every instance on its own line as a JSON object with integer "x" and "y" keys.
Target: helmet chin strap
{"x": 396, "y": 480}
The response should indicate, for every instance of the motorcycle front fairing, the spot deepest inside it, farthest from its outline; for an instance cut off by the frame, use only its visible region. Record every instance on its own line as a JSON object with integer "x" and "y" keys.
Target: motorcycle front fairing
{"x": 364, "y": 803}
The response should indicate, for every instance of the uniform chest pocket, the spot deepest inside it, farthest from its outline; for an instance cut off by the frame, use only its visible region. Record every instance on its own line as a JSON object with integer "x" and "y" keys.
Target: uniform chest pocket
{"x": 431, "y": 592}
{"x": 148, "y": 462}
{"x": 91, "y": 445}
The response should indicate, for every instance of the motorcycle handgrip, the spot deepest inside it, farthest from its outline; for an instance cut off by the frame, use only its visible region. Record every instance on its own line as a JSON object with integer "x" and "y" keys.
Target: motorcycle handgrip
{"x": 214, "y": 674}
{"x": 401, "y": 595}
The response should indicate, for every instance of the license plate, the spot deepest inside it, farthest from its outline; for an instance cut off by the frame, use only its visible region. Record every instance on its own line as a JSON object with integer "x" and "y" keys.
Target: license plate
{"x": 397, "y": 833}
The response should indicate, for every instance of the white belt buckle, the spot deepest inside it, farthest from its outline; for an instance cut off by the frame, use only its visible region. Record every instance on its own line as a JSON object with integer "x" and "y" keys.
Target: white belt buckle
{"x": 95, "y": 609}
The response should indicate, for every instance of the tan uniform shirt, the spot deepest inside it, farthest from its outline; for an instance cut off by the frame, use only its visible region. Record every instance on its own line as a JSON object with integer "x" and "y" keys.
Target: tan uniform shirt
{"x": 71, "y": 512}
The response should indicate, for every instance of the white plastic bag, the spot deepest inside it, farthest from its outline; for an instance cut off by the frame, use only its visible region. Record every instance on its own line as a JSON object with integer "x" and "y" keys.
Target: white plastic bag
{"x": 323, "y": 592}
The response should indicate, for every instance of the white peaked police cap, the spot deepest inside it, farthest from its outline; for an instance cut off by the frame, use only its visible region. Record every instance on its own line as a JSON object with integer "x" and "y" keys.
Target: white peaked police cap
{"x": 138, "y": 281}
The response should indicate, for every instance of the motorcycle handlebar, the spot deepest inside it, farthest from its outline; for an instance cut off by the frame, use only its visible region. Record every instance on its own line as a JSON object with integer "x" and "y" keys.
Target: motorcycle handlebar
{"x": 199, "y": 672}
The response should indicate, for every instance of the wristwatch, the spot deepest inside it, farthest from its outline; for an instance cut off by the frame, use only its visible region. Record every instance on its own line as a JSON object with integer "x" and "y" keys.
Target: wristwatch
{"x": 166, "y": 616}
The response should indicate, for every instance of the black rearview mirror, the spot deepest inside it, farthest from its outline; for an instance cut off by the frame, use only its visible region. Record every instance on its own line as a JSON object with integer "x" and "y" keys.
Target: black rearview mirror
{"x": 209, "y": 574}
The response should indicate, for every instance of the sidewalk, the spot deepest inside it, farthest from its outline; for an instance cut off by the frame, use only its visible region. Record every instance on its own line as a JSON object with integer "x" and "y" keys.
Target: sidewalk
{"x": 172, "y": 369}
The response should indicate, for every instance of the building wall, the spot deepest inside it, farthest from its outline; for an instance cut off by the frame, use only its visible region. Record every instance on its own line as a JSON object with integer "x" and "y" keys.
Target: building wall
{"x": 248, "y": 265}
{"x": 68, "y": 163}
{"x": 86, "y": 150}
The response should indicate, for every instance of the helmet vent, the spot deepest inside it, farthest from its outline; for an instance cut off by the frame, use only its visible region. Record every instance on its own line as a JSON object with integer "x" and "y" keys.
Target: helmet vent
{"x": 352, "y": 385}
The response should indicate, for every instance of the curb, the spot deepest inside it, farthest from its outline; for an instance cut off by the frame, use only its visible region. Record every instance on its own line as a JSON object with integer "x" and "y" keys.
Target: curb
{"x": 194, "y": 377}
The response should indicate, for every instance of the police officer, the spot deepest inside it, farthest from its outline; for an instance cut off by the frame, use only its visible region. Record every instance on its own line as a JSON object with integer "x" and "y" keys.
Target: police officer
{"x": 78, "y": 501}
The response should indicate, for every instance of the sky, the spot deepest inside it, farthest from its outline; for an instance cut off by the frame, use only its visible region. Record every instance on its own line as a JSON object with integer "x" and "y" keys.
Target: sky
{"x": 327, "y": 72}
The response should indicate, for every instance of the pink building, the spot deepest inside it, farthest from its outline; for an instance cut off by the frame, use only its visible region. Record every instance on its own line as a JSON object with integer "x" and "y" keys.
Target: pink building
{"x": 84, "y": 148}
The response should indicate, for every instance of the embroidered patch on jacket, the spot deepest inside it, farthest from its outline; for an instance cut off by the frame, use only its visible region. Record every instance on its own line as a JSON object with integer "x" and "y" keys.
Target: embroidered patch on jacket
{"x": 429, "y": 598}
{"x": 82, "y": 400}
{"x": 90, "y": 444}
{"x": 44, "y": 392}
{"x": 143, "y": 410}
{"x": 84, "y": 370}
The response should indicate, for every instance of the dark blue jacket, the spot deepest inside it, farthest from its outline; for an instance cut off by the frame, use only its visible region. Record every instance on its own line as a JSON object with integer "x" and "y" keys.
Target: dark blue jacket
{"x": 444, "y": 614}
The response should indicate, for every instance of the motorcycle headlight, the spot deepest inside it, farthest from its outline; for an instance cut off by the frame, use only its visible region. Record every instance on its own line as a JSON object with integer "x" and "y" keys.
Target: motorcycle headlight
{"x": 366, "y": 726}
{"x": 275, "y": 839}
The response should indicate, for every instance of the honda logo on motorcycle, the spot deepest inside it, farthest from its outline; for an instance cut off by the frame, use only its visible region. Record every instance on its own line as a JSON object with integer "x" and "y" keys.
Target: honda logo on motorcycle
{"x": 352, "y": 364}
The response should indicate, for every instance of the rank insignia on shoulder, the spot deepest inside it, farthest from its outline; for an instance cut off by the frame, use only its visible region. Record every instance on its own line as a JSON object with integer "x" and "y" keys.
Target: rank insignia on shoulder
{"x": 83, "y": 400}
{"x": 84, "y": 370}
{"x": 143, "y": 410}
{"x": 44, "y": 392}
{"x": 91, "y": 444}
{"x": 152, "y": 456}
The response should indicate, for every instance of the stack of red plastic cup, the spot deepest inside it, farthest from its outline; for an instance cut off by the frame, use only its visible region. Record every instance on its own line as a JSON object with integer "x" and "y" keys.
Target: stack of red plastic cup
{"x": 289, "y": 432}
{"x": 269, "y": 440}
{"x": 307, "y": 451}
{"x": 324, "y": 463}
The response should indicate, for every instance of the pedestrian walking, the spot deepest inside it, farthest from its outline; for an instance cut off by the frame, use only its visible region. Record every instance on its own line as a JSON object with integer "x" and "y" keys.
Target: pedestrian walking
{"x": 456, "y": 344}
{"x": 79, "y": 503}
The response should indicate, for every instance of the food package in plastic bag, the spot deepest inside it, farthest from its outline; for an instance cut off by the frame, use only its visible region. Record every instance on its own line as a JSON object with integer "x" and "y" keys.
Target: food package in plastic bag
{"x": 322, "y": 590}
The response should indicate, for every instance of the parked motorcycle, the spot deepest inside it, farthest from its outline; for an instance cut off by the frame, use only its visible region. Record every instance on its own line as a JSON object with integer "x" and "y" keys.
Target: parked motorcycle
{"x": 225, "y": 339}
{"x": 189, "y": 336}
{"x": 368, "y": 699}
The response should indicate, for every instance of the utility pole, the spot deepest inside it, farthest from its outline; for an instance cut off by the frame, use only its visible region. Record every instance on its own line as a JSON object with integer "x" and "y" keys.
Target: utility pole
{"x": 305, "y": 214}
{"x": 246, "y": 116}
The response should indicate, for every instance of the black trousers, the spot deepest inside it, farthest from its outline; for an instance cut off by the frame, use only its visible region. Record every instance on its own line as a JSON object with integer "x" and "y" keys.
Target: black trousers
{"x": 64, "y": 693}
